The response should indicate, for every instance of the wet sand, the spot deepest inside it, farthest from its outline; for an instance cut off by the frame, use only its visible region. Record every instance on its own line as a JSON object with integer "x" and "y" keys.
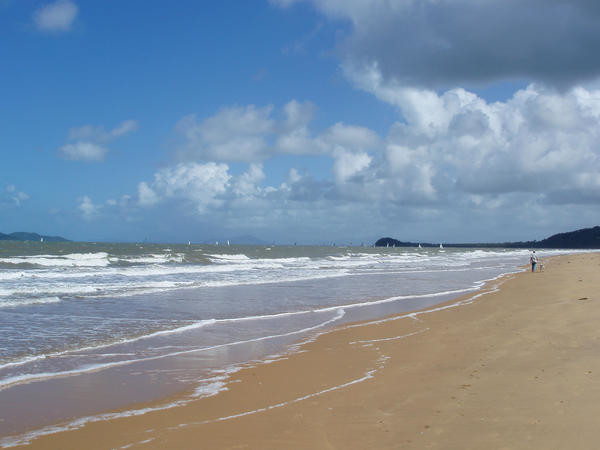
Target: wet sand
{"x": 513, "y": 366}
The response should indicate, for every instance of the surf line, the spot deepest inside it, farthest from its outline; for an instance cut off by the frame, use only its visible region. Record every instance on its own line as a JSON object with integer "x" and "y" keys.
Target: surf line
{"x": 22, "y": 379}
{"x": 415, "y": 315}
{"x": 369, "y": 375}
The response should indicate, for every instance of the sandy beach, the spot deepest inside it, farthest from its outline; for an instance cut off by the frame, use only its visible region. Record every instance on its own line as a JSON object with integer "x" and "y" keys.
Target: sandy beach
{"x": 512, "y": 366}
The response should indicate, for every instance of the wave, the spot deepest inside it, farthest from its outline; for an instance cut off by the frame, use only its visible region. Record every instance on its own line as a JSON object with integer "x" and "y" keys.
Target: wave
{"x": 99, "y": 259}
{"x": 216, "y": 321}
{"x": 29, "y": 377}
{"x": 34, "y": 287}
{"x": 9, "y": 303}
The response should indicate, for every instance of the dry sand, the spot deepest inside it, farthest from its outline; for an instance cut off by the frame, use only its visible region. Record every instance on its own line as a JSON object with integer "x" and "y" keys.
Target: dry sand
{"x": 515, "y": 368}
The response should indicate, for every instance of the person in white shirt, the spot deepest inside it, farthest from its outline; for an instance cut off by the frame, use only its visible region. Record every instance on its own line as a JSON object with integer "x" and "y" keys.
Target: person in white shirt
{"x": 533, "y": 260}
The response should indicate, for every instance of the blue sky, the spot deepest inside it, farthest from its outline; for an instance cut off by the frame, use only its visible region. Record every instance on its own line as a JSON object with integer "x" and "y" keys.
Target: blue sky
{"x": 299, "y": 121}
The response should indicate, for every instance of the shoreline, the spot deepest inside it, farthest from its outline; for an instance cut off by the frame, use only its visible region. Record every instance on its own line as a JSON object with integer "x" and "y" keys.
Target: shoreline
{"x": 353, "y": 359}
{"x": 217, "y": 383}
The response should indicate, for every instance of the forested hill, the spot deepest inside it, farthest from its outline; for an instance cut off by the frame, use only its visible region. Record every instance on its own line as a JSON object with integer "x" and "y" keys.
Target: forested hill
{"x": 23, "y": 236}
{"x": 584, "y": 238}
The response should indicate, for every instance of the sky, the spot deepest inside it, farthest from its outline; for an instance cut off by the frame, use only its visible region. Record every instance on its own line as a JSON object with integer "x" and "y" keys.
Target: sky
{"x": 308, "y": 121}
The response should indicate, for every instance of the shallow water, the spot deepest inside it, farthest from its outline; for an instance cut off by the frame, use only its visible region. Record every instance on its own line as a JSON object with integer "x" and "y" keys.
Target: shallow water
{"x": 137, "y": 322}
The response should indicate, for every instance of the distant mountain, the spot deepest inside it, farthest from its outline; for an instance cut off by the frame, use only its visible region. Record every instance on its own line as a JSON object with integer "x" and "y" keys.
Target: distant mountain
{"x": 248, "y": 240}
{"x": 584, "y": 238}
{"x": 23, "y": 236}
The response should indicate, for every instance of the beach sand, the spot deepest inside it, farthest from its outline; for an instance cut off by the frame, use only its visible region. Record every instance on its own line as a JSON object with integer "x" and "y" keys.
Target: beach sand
{"x": 516, "y": 367}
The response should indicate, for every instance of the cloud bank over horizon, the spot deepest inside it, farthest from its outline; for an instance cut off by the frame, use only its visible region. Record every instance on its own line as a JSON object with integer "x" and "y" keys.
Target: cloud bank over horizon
{"x": 454, "y": 154}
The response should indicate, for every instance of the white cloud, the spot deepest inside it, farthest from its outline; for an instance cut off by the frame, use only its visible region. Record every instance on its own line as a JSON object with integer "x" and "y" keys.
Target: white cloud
{"x": 124, "y": 128}
{"x": 449, "y": 147}
{"x": 55, "y": 17}
{"x": 347, "y": 165}
{"x": 201, "y": 185}
{"x": 233, "y": 134}
{"x": 293, "y": 134}
{"x": 283, "y": 3}
{"x": 13, "y": 196}
{"x": 348, "y": 137}
{"x": 89, "y": 143}
{"x": 250, "y": 134}
{"x": 246, "y": 185}
{"x": 87, "y": 208}
{"x": 539, "y": 142}
{"x": 293, "y": 176}
{"x": 453, "y": 158}
{"x": 99, "y": 134}
{"x": 298, "y": 115}
{"x": 19, "y": 197}
{"x": 83, "y": 151}
{"x": 146, "y": 196}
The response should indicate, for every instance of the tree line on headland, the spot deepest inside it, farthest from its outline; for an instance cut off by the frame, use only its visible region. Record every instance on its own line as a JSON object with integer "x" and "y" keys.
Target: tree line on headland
{"x": 584, "y": 238}
{"x": 23, "y": 236}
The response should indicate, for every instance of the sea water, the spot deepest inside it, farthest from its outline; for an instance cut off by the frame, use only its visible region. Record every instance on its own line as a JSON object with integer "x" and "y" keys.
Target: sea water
{"x": 140, "y": 321}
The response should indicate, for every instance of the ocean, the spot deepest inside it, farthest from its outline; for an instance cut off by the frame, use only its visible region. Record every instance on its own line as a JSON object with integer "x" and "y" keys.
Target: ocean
{"x": 139, "y": 322}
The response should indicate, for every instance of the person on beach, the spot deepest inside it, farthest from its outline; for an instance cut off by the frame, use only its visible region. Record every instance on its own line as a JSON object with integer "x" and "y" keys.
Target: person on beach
{"x": 533, "y": 260}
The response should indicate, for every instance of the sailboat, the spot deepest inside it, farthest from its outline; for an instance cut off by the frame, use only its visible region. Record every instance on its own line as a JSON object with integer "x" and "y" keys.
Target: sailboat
{"x": 441, "y": 246}
{"x": 420, "y": 246}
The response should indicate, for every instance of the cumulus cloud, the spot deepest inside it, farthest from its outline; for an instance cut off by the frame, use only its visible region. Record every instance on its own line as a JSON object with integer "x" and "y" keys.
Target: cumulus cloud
{"x": 539, "y": 142}
{"x": 253, "y": 134}
{"x": 200, "y": 185}
{"x": 451, "y": 148}
{"x": 233, "y": 134}
{"x": 448, "y": 43}
{"x": 89, "y": 143}
{"x": 452, "y": 157}
{"x": 146, "y": 195}
{"x": 348, "y": 165}
{"x": 57, "y": 16}
{"x": 87, "y": 208}
{"x": 348, "y": 137}
{"x": 294, "y": 135}
{"x": 12, "y": 196}
{"x": 247, "y": 184}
